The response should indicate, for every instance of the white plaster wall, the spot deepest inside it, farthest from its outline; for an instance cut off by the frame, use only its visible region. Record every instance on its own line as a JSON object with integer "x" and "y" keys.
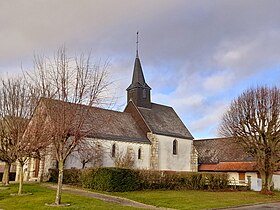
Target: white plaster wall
{"x": 50, "y": 162}
{"x": 276, "y": 181}
{"x": 253, "y": 175}
{"x": 235, "y": 176}
{"x": 108, "y": 161}
{"x": 168, "y": 161}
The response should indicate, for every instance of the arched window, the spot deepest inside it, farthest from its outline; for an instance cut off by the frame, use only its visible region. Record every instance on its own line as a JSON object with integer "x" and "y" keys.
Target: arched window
{"x": 114, "y": 150}
{"x": 139, "y": 153}
{"x": 175, "y": 147}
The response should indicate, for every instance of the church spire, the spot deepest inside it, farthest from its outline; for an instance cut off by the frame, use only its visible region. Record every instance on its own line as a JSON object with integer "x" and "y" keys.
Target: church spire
{"x": 139, "y": 90}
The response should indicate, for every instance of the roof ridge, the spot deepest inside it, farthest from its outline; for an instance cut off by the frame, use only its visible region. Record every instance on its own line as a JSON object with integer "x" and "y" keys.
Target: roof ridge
{"x": 210, "y": 139}
{"x": 83, "y": 105}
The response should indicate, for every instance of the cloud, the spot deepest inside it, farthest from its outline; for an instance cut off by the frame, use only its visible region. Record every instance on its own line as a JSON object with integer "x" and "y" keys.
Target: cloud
{"x": 218, "y": 82}
{"x": 196, "y": 55}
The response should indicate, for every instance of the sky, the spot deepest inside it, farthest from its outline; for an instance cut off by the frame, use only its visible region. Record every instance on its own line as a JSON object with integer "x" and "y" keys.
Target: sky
{"x": 197, "y": 56}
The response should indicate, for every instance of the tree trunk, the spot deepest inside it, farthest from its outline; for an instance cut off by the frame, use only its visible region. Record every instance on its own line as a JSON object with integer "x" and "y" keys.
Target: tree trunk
{"x": 41, "y": 169}
{"x": 6, "y": 174}
{"x": 84, "y": 164}
{"x": 29, "y": 172}
{"x": 266, "y": 182}
{"x": 59, "y": 182}
{"x": 20, "y": 178}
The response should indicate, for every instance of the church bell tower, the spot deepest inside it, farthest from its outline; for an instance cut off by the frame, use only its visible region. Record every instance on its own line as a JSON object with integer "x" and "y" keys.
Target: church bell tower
{"x": 139, "y": 91}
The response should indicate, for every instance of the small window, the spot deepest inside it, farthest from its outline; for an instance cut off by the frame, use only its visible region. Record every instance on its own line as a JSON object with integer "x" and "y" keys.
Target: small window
{"x": 175, "y": 147}
{"x": 139, "y": 153}
{"x": 144, "y": 93}
{"x": 114, "y": 150}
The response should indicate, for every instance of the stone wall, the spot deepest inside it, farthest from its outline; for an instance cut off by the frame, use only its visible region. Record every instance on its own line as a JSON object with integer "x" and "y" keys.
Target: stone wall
{"x": 154, "y": 162}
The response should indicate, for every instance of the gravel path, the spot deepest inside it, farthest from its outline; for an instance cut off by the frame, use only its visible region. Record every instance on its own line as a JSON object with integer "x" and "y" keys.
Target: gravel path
{"x": 106, "y": 198}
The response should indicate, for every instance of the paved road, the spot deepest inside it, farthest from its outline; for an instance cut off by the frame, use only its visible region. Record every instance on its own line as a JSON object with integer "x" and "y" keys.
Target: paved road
{"x": 267, "y": 206}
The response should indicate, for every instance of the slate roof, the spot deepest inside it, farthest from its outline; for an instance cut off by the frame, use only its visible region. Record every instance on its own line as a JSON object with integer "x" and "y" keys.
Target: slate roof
{"x": 138, "y": 79}
{"x": 102, "y": 123}
{"x": 164, "y": 120}
{"x": 211, "y": 151}
{"x": 229, "y": 166}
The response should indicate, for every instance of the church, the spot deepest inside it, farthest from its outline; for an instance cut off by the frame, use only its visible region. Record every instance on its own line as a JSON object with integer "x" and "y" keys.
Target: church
{"x": 152, "y": 134}
{"x": 145, "y": 135}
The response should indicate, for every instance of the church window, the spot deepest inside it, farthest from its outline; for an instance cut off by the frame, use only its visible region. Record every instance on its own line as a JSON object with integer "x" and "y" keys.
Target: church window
{"x": 139, "y": 153}
{"x": 114, "y": 150}
{"x": 175, "y": 147}
{"x": 144, "y": 93}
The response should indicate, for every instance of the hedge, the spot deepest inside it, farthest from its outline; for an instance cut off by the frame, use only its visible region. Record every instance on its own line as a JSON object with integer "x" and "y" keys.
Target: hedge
{"x": 121, "y": 180}
{"x": 116, "y": 180}
{"x": 182, "y": 180}
{"x": 73, "y": 176}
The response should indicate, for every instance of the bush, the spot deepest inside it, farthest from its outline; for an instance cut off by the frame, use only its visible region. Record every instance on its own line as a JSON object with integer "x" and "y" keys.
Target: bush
{"x": 53, "y": 175}
{"x": 182, "y": 180}
{"x": 115, "y": 180}
{"x": 70, "y": 176}
{"x": 87, "y": 177}
{"x": 121, "y": 180}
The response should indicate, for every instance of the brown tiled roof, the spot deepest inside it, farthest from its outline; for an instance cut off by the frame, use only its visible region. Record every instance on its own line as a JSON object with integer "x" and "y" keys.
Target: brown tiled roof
{"x": 211, "y": 151}
{"x": 102, "y": 123}
{"x": 207, "y": 167}
{"x": 229, "y": 166}
{"x": 164, "y": 120}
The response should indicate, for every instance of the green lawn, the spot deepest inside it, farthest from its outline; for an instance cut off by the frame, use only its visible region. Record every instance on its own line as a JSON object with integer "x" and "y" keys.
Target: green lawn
{"x": 193, "y": 199}
{"x": 42, "y": 195}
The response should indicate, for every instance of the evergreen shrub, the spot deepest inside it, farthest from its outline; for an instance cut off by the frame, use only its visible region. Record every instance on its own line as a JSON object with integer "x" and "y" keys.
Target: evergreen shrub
{"x": 121, "y": 180}
{"x": 70, "y": 176}
{"x": 87, "y": 177}
{"x": 115, "y": 180}
{"x": 182, "y": 180}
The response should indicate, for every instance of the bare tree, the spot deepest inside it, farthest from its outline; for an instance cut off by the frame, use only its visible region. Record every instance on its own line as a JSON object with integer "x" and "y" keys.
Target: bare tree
{"x": 253, "y": 119}
{"x": 124, "y": 159}
{"x": 90, "y": 153}
{"x": 7, "y": 152}
{"x": 16, "y": 107}
{"x": 72, "y": 81}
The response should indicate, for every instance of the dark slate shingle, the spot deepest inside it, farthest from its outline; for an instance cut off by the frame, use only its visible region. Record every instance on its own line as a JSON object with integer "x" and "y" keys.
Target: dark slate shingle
{"x": 217, "y": 150}
{"x": 102, "y": 123}
{"x": 164, "y": 120}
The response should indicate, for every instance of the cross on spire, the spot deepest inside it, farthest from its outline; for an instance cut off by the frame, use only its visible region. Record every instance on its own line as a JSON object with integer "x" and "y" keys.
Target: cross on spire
{"x": 137, "y": 43}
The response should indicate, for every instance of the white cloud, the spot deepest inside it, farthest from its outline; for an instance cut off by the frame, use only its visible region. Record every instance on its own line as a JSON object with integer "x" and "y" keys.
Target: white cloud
{"x": 218, "y": 82}
{"x": 211, "y": 118}
{"x": 194, "y": 53}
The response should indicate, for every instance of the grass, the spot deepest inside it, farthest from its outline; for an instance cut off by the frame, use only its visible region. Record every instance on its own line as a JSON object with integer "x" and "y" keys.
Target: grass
{"x": 42, "y": 195}
{"x": 190, "y": 199}
{"x": 193, "y": 199}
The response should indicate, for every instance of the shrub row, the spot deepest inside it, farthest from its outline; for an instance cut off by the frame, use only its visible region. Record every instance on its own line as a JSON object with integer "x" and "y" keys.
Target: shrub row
{"x": 182, "y": 180}
{"x": 121, "y": 180}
